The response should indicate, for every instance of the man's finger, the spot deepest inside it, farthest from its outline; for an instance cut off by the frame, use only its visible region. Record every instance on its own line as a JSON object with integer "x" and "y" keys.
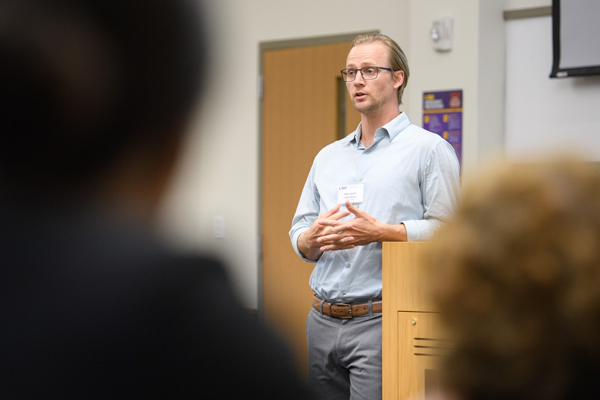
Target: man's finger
{"x": 339, "y": 215}
{"x": 328, "y": 230}
{"x": 331, "y": 238}
{"x": 353, "y": 209}
{"x": 330, "y": 212}
{"x": 333, "y": 223}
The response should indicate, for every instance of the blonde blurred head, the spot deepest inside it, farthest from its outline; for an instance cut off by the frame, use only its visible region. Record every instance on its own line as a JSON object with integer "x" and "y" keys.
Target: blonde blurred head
{"x": 516, "y": 276}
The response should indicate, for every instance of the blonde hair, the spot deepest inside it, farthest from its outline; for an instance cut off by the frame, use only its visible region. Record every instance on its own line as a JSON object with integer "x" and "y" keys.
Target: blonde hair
{"x": 516, "y": 278}
{"x": 396, "y": 56}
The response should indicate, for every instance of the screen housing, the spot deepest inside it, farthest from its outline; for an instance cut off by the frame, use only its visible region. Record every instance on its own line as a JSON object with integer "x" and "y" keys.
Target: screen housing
{"x": 575, "y": 38}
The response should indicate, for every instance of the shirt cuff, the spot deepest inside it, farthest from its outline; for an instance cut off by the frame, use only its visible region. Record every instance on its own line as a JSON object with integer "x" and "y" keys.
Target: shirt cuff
{"x": 412, "y": 231}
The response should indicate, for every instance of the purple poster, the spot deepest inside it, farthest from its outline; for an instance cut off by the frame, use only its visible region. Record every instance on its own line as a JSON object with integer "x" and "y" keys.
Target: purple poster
{"x": 442, "y": 114}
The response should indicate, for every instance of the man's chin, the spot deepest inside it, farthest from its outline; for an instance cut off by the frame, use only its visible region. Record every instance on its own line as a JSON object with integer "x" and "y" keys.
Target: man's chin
{"x": 365, "y": 109}
{"x": 361, "y": 106}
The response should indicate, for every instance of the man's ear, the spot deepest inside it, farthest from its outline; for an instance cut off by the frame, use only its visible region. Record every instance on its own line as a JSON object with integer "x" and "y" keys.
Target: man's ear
{"x": 398, "y": 79}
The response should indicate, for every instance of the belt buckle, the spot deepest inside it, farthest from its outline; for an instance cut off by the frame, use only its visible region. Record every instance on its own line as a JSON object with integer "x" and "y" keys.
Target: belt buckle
{"x": 349, "y": 316}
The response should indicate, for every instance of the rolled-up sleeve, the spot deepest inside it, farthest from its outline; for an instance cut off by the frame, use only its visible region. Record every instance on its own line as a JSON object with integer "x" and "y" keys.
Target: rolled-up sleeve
{"x": 307, "y": 212}
{"x": 439, "y": 189}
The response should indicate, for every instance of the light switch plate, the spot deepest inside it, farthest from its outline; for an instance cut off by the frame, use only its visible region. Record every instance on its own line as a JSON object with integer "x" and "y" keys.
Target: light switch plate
{"x": 219, "y": 227}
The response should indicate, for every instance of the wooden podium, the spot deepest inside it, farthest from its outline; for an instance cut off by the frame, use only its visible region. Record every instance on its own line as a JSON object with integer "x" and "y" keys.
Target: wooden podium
{"x": 411, "y": 344}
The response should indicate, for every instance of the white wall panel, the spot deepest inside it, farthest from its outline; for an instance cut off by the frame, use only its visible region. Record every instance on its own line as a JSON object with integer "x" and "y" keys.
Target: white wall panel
{"x": 546, "y": 115}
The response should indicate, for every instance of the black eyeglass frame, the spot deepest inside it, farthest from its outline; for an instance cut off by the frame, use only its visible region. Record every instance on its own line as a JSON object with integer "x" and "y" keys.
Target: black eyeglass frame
{"x": 344, "y": 73}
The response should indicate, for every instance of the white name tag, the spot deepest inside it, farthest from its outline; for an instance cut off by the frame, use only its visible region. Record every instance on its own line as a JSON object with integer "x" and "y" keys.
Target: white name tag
{"x": 352, "y": 193}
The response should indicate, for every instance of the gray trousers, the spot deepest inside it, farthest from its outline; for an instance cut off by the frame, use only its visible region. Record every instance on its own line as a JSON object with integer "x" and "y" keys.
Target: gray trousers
{"x": 344, "y": 356}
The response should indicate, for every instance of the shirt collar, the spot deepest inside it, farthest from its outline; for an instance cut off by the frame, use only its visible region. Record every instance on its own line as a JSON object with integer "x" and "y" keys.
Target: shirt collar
{"x": 354, "y": 136}
{"x": 392, "y": 128}
{"x": 397, "y": 125}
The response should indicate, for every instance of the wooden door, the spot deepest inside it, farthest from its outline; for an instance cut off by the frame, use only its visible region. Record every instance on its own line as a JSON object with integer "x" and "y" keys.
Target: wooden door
{"x": 302, "y": 113}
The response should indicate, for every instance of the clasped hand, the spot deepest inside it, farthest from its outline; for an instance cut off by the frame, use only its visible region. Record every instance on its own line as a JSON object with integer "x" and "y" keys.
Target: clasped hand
{"x": 329, "y": 233}
{"x": 359, "y": 231}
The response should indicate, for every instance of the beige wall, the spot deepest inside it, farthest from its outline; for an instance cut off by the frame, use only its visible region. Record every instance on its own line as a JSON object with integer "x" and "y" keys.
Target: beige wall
{"x": 219, "y": 173}
{"x": 456, "y": 69}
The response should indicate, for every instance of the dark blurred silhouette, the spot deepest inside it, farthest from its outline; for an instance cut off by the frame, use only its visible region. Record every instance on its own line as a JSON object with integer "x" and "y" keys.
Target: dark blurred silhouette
{"x": 516, "y": 276}
{"x": 94, "y": 99}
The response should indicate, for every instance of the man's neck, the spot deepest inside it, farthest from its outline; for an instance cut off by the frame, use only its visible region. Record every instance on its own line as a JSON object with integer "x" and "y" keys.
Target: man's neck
{"x": 370, "y": 124}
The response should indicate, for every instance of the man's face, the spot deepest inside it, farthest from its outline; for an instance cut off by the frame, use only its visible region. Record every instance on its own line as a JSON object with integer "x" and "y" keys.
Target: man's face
{"x": 372, "y": 97}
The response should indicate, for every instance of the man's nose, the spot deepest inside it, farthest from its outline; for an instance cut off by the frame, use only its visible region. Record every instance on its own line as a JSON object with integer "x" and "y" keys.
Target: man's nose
{"x": 359, "y": 79}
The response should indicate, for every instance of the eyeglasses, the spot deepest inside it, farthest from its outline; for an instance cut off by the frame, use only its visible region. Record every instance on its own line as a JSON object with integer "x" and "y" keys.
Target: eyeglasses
{"x": 368, "y": 73}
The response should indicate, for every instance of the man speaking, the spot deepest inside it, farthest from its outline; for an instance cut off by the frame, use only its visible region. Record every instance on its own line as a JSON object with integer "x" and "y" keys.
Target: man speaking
{"x": 395, "y": 182}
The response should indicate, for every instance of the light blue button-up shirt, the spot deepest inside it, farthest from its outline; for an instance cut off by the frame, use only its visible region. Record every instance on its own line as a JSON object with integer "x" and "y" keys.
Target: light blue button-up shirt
{"x": 410, "y": 176}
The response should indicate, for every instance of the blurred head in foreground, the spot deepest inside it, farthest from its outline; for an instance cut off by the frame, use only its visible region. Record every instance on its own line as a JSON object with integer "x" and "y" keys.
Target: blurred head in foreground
{"x": 94, "y": 99}
{"x": 94, "y": 96}
{"x": 516, "y": 276}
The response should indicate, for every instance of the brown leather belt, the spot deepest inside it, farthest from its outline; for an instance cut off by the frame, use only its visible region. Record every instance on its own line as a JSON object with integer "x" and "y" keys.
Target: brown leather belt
{"x": 341, "y": 310}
